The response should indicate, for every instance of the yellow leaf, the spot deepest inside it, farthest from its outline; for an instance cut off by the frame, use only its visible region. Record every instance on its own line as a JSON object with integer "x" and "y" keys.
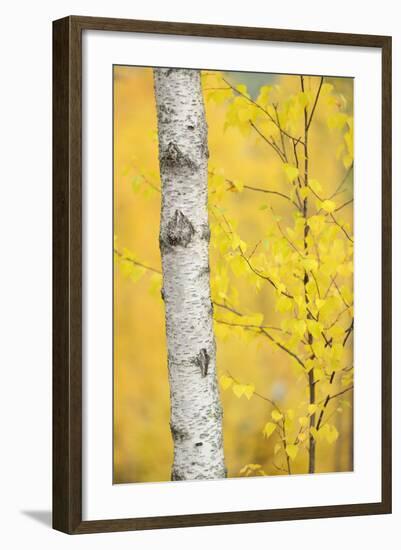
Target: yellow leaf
{"x": 269, "y": 429}
{"x": 326, "y": 88}
{"x": 318, "y": 374}
{"x": 219, "y": 96}
{"x": 276, "y": 415}
{"x": 291, "y": 172}
{"x": 328, "y": 206}
{"x": 315, "y": 185}
{"x": 283, "y": 304}
{"x": 310, "y": 264}
{"x": 299, "y": 327}
{"x": 290, "y": 414}
{"x": 316, "y": 223}
{"x": 309, "y": 364}
{"x": 314, "y": 327}
{"x": 312, "y": 408}
{"x": 242, "y": 89}
{"x": 238, "y": 266}
{"x": 304, "y": 192}
{"x": 249, "y": 391}
{"x": 226, "y": 381}
{"x": 314, "y": 433}
{"x": 292, "y": 451}
{"x": 329, "y": 432}
{"x": 337, "y": 121}
{"x": 236, "y": 241}
{"x": 277, "y": 448}
{"x": 264, "y": 95}
{"x": 303, "y": 420}
{"x": 238, "y": 390}
{"x": 302, "y": 436}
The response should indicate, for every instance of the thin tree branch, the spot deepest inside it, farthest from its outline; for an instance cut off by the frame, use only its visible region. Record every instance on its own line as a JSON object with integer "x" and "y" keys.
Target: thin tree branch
{"x": 261, "y": 275}
{"x": 261, "y": 190}
{"x": 342, "y": 228}
{"x": 344, "y": 205}
{"x": 135, "y": 262}
{"x": 274, "y": 147}
{"x": 315, "y": 103}
{"x": 340, "y": 186}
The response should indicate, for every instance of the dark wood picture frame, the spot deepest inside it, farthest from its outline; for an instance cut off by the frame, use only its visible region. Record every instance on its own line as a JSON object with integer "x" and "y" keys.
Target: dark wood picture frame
{"x": 67, "y": 274}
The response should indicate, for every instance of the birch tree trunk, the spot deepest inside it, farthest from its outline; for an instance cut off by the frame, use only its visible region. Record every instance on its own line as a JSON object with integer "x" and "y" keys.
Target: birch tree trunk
{"x": 196, "y": 413}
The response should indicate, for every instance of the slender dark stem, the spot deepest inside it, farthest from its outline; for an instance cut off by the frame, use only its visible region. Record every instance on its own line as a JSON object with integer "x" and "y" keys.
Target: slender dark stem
{"x": 344, "y": 205}
{"x": 261, "y": 275}
{"x": 261, "y": 190}
{"x": 311, "y": 377}
{"x": 135, "y": 262}
{"x": 340, "y": 185}
{"x": 342, "y": 228}
{"x": 315, "y": 103}
{"x": 327, "y": 401}
{"x": 228, "y": 308}
{"x": 270, "y": 143}
{"x": 348, "y": 332}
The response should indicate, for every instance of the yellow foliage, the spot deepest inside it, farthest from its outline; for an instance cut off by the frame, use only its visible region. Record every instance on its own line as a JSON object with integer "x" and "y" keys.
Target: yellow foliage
{"x": 258, "y": 265}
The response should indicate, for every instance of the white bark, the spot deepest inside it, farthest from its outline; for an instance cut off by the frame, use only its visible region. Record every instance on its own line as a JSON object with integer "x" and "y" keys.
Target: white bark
{"x": 196, "y": 413}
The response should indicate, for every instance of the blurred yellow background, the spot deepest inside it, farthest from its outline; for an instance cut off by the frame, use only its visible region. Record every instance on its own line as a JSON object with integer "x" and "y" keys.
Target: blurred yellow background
{"x": 143, "y": 449}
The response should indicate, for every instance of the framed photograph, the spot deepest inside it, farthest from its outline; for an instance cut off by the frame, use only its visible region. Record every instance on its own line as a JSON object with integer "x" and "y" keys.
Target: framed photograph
{"x": 222, "y": 275}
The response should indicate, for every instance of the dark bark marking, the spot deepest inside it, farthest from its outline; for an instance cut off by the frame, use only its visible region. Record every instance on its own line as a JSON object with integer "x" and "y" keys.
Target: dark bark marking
{"x": 173, "y": 158}
{"x": 179, "y": 232}
{"x": 202, "y": 360}
{"x": 178, "y": 434}
{"x": 199, "y": 444}
{"x": 165, "y": 114}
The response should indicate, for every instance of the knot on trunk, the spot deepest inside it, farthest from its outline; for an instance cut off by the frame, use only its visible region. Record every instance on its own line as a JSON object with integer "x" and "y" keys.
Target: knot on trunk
{"x": 179, "y": 232}
{"x": 178, "y": 433}
{"x": 202, "y": 361}
{"x": 173, "y": 158}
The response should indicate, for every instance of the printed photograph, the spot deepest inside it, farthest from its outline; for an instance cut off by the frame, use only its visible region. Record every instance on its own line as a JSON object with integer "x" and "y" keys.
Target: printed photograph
{"x": 233, "y": 274}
